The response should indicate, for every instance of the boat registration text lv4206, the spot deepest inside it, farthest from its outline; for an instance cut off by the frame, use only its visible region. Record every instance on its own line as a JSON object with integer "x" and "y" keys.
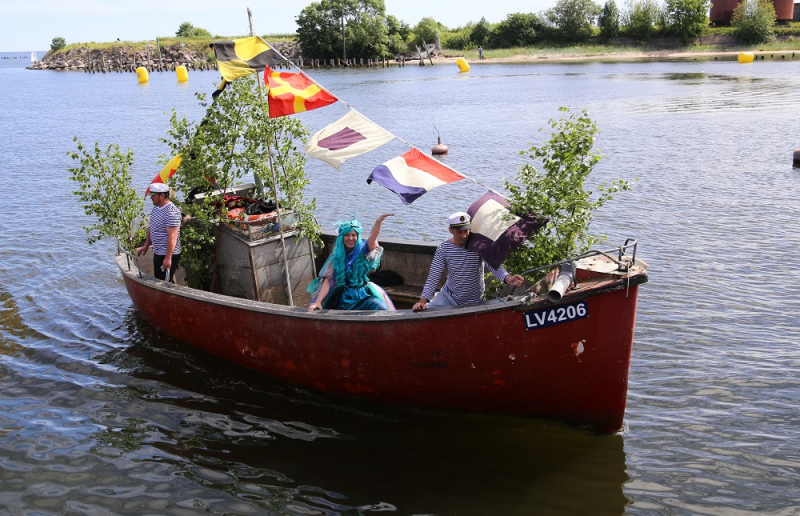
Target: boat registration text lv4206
{"x": 545, "y": 317}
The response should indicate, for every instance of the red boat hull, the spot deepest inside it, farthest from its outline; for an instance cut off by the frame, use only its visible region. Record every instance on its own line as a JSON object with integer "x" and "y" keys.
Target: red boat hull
{"x": 479, "y": 358}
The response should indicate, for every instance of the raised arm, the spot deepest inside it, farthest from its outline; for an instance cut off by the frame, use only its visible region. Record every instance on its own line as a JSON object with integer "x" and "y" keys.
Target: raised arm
{"x": 372, "y": 240}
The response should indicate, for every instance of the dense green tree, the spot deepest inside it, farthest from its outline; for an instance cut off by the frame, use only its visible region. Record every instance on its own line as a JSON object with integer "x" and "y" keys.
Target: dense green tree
{"x": 344, "y": 28}
{"x": 187, "y": 30}
{"x": 686, "y": 18}
{"x": 319, "y": 33}
{"x": 517, "y": 30}
{"x": 480, "y": 32}
{"x": 753, "y": 21}
{"x": 609, "y": 21}
{"x": 428, "y": 29}
{"x": 458, "y": 40}
{"x": 573, "y": 18}
{"x": 57, "y": 44}
{"x": 398, "y": 27}
{"x": 640, "y": 18}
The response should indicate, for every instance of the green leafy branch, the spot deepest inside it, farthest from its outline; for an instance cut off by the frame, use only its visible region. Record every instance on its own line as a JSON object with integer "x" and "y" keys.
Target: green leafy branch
{"x": 104, "y": 187}
{"x": 237, "y": 138}
{"x": 558, "y": 193}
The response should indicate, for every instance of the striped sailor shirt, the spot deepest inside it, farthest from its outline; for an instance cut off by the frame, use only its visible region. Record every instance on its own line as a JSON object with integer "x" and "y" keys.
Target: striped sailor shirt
{"x": 161, "y": 218}
{"x": 464, "y": 274}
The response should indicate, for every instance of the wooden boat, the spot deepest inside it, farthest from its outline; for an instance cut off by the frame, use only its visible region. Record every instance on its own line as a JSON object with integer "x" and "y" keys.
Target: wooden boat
{"x": 563, "y": 357}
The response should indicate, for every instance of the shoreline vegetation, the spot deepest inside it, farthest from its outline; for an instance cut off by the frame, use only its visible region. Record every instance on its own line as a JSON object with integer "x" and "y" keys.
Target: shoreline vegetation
{"x": 165, "y": 54}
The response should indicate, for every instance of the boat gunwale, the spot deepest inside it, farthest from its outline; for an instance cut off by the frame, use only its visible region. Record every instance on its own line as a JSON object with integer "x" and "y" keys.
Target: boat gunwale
{"x": 131, "y": 270}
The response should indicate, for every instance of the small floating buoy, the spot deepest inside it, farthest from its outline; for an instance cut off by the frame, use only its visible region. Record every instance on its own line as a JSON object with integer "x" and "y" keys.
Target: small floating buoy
{"x": 796, "y": 160}
{"x": 142, "y": 74}
{"x": 182, "y": 74}
{"x": 439, "y": 149}
{"x": 745, "y": 57}
{"x": 463, "y": 66}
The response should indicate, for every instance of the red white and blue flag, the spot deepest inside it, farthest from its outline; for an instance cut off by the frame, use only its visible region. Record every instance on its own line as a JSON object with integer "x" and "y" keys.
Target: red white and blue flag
{"x": 495, "y": 232}
{"x": 412, "y": 174}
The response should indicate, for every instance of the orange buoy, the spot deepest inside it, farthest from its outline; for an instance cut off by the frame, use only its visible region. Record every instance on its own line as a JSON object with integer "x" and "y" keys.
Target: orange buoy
{"x": 439, "y": 149}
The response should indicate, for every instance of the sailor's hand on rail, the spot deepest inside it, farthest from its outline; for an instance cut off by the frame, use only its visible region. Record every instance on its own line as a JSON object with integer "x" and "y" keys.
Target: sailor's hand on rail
{"x": 314, "y": 306}
{"x": 141, "y": 250}
{"x": 515, "y": 280}
{"x": 420, "y": 306}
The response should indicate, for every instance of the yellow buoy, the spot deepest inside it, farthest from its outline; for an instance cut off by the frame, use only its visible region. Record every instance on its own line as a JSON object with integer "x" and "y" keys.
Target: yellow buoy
{"x": 462, "y": 64}
{"x": 745, "y": 57}
{"x": 183, "y": 74}
{"x": 142, "y": 74}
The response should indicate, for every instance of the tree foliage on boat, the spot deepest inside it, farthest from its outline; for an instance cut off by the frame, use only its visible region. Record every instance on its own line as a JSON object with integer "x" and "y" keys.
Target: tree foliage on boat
{"x": 237, "y": 138}
{"x": 558, "y": 193}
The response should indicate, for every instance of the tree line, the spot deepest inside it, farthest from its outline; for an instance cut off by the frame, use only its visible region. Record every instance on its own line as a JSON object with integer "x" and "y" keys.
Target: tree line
{"x": 337, "y": 28}
{"x": 362, "y": 28}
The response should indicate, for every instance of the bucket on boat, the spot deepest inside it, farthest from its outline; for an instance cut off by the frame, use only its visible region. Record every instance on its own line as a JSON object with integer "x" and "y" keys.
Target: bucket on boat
{"x": 183, "y": 74}
{"x": 142, "y": 74}
{"x": 745, "y": 57}
{"x": 462, "y": 64}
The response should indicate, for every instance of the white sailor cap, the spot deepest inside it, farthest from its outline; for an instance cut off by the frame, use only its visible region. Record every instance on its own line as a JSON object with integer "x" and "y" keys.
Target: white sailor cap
{"x": 159, "y": 188}
{"x": 459, "y": 220}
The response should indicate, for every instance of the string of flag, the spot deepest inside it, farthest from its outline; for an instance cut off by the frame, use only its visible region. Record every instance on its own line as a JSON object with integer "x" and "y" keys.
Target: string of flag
{"x": 352, "y": 135}
{"x": 409, "y": 175}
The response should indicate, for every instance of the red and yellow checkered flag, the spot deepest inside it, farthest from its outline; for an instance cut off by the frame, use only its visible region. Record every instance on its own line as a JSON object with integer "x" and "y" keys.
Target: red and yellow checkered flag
{"x": 291, "y": 93}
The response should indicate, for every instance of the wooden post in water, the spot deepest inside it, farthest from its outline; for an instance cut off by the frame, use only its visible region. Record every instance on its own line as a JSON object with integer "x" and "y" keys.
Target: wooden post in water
{"x": 160, "y": 62}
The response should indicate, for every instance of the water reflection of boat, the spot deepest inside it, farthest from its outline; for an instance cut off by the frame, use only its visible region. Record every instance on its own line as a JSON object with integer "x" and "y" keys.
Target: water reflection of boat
{"x": 525, "y": 355}
{"x": 322, "y": 453}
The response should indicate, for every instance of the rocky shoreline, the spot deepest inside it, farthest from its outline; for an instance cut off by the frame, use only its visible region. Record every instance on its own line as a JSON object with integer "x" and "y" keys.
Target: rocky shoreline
{"x": 155, "y": 57}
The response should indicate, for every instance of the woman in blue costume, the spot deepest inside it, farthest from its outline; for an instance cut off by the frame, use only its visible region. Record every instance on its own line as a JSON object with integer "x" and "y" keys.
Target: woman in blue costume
{"x": 343, "y": 282}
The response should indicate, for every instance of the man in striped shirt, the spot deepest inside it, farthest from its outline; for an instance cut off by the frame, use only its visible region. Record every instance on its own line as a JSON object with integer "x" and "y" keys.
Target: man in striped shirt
{"x": 163, "y": 233}
{"x": 464, "y": 283}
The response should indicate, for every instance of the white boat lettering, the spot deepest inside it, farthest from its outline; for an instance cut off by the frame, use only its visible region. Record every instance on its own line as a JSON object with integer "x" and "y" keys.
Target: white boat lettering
{"x": 555, "y": 315}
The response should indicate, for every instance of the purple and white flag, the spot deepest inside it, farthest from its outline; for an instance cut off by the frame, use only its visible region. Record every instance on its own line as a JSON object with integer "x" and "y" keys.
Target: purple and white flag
{"x": 351, "y": 135}
{"x": 495, "y": 232}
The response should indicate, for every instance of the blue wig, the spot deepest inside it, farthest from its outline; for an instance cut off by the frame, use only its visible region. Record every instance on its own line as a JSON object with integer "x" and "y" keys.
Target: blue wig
{"x": 341, "y": 258}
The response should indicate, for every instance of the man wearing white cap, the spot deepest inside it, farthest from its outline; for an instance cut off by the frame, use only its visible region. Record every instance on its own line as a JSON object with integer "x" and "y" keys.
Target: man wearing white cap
{"x": 163, "y": 233}
{"x": 464, "y": 283}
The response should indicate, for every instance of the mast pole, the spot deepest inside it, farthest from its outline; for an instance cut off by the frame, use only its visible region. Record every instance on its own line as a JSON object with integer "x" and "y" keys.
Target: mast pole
{"x": 259, "y": 183}
{"x": 274, "y": 183}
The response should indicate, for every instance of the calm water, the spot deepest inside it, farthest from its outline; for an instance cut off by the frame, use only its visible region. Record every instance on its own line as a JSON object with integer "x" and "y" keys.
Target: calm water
{"x": 100, "y": 414}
